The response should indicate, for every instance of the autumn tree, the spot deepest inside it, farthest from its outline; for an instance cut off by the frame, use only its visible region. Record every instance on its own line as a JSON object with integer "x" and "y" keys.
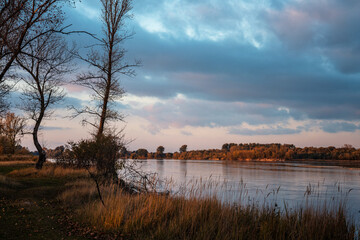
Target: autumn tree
{"x": 142, "y": 153}
{"x": 225, "y": 147}
{"x": 107, "y": 63}
{"x": 160, "y": 152}
{"x": 45, "y": 69}
{"x": 11, "y": 127}
{"x": 123, "y": 152}
{"x": 183, "y": 148}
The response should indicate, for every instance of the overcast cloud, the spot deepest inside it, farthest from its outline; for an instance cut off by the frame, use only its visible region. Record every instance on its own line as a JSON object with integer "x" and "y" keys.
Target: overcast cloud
{"x": 255, "y": 68}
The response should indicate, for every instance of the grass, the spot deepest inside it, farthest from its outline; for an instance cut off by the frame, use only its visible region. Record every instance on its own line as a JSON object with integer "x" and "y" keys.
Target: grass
{"x": 62, "y": 203}
{"x": 11, "y": 158}
{"x": 9, "y": 163}
{"x": 154, "y": 216}
{"x": 49, "y": 171}
{"x": 5, "y": 169}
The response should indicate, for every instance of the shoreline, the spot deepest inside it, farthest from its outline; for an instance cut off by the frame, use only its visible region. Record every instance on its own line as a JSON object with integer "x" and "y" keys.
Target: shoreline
{"x": 312, "y": 162}
{"x": 62, "y": 202}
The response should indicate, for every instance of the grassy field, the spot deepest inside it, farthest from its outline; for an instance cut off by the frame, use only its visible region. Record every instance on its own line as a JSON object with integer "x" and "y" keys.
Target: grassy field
{"x": 57, "y": 203}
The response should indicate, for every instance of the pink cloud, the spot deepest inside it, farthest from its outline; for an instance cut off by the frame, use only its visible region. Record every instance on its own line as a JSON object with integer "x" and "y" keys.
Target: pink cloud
{"x": 72, "y": 88}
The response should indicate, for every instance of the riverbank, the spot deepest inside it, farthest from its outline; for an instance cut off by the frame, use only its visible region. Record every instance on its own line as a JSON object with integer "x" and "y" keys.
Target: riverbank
{"x": 328, "y": 162}
{"x": 253, "y": 151}
{"x": 310, "y": 162}
{"x": 57, "y": 203}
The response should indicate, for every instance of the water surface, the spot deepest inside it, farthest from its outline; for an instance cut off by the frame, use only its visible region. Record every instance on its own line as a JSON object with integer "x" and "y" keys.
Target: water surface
{"x": 274, "y": 183}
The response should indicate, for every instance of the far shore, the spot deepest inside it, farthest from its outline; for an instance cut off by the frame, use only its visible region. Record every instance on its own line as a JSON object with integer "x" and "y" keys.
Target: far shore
{"x": 312, "y": 162}
{"x": 23, "y": 159}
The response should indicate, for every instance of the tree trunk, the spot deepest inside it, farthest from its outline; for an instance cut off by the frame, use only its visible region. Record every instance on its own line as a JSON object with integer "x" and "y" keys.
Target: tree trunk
{"x": 107, "y": 94}
{"x": 42, "y": 155}
{"x": 103, "y": 115}
{"x": 41, "y": 160}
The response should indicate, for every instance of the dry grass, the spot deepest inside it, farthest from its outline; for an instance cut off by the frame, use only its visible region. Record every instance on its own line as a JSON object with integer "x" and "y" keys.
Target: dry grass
{"x": 79, "y": 192}
{"x": 15, "y": 162}
{"x": 153, "y": 216}
{"x": 16, "y": 158}
{"x": 190, "y": 215}
{"x": 49, "y": 170}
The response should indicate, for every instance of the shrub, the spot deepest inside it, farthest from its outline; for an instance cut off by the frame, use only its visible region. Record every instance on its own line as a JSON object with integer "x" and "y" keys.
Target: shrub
{"x": 101, "y": 151}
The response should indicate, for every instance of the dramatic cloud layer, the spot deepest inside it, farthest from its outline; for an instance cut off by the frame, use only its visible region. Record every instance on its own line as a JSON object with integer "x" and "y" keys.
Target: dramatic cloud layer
{"x": 239, "y": 68}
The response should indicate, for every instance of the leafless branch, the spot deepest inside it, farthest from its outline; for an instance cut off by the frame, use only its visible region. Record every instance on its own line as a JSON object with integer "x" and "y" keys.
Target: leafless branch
{"x": 106, "y": 60}
{"x": 43, "y": 80}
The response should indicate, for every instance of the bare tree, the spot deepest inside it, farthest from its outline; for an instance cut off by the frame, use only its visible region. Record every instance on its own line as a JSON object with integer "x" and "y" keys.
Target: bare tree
{"x": 107, "y": 63}
{"x": 21, "y": 23}
{"x": 45, "y": 74}
{"x": 12, "y": 127}
{"x": 4, "y": 90}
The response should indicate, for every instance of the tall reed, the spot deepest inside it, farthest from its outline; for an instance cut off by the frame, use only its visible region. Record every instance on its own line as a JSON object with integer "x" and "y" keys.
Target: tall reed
{"x": 158, "y": 216}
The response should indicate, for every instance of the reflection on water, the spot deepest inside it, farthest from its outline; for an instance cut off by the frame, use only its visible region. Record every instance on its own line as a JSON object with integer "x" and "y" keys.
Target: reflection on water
{"x": 266, "y": 182}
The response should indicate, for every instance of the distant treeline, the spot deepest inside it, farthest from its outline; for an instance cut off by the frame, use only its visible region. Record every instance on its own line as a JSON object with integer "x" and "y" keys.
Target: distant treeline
{"x": 247, "y": 151}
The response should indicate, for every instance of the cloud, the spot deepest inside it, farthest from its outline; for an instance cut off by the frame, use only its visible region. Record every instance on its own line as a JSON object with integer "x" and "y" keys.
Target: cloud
{"x": 326, "y": 27}
{"x": 279, "y": 67}
{"x": 334, "y": 127}
{"x": 54, "y": 128}
{"x": 181, "y": 111}
{"x": 89, "y": 10}
{"x": 233, "y": 73}
{"x": 152, "y": 128}
{"x": 203, "y": 20}
{"x": 265, "y": 131}
{"x": 69, "y": 101}
{"x": 186, "y": 133}
{"x": 240, "y": 118}
{"x": 292, "y": 68}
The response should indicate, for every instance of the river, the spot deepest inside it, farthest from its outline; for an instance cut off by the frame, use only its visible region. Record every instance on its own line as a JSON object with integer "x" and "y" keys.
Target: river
{"x": 265, "y": 183}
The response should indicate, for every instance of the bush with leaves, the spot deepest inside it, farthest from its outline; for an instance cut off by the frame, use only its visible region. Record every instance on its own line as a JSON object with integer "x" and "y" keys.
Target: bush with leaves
{"x": 101, "y": 152}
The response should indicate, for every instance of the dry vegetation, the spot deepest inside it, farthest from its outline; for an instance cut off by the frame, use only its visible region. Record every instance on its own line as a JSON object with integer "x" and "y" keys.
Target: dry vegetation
{"x": 12, "y": 163}
{"x": 19, "y": 158}
{"x": 185, "y": 216}
{"x": 155, "y": 216}
{"x": 49, "y": 171}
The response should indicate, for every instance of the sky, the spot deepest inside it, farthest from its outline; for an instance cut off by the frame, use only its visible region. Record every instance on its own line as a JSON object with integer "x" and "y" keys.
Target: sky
{"x": 219, "y": 71}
